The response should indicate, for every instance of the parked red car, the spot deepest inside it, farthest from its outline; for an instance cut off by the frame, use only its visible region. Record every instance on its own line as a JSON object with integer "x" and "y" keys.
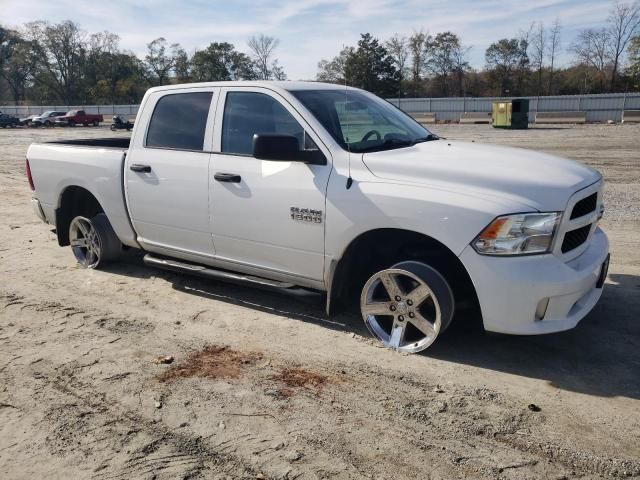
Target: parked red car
{"x": 77, "y": 117}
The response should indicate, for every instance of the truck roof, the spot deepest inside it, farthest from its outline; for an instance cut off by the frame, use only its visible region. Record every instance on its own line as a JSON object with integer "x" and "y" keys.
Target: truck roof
{"x": 273, "y": 85}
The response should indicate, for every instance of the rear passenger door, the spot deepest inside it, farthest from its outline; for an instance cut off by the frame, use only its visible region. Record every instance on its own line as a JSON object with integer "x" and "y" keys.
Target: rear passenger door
{"x": 167, "y": 172}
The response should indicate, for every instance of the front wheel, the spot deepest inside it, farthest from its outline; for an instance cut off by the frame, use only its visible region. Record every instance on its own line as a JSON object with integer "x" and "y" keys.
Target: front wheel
{"x": 93, "y": 241}
{"x": 96, "y": 123}
{"x": 407, "y": 306}
{"x": 113, "y": 127}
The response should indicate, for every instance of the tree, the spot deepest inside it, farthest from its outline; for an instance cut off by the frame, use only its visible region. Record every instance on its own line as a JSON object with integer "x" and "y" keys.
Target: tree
{"x": 418, "y": 44}
{"x": 182, "y": 66}
{"x": 399, "y": 50}
{"x": 539, "y": 47}
{"x": 262, "y": 48}
{"x": 59, "y": 52}
{"x": 624, "y": 22}
{"x": 634, "y": 58}
{"x": 221, "y": 61}
{"x": 554, "y": 50}
{"x": 523, "y": 70}
{"x": 502, "y": 58}
{"x": 371, "y": 68}
{"x": 333, "y": 71}
{"x": 592, "y": 48}
{"x": 15, "y": 63}
{"x": 446, "y": 59}
{"x": 159, "y": 62}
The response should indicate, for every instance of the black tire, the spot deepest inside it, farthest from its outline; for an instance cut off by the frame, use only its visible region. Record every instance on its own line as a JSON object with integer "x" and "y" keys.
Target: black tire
{"x": 438, "y": 284}
{"x": 111, "y": 245}
{"x": 96, "y": 123}
{"x": 113, "y": 128}
{"x": 407, "y": 306}
{"x": 72, "y": 123}
{"x": 105, "y": 246}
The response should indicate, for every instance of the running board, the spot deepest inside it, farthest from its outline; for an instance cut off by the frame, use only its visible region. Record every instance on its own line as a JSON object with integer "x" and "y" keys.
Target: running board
{"x": 226, "y": 276}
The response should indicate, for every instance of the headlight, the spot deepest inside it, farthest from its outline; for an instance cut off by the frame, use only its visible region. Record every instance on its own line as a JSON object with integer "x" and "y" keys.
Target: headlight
{"x": 518, "y": 234}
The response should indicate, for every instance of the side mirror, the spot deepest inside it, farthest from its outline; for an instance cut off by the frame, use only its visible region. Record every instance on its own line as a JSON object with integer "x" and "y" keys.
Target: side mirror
{"x": 284, "y": 148}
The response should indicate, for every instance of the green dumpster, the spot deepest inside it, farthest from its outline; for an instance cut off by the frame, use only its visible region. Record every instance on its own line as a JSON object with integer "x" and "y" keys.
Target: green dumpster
{"x": 511, "y": 114}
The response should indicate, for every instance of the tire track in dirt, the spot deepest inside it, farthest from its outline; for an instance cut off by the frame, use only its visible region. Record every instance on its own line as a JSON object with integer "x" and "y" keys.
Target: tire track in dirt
{"x": 443, "y": 424}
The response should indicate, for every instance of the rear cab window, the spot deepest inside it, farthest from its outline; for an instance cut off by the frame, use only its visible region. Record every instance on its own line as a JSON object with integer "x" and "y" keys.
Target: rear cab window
{"x": 179, "y": 121}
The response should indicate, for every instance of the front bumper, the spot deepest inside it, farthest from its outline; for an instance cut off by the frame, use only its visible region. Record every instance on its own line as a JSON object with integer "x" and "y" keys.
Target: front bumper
{"x": 510, "y": 289}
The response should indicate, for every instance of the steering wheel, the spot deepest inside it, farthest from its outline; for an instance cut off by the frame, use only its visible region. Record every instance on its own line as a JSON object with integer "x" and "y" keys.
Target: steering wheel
{"x": 371, "y": 133}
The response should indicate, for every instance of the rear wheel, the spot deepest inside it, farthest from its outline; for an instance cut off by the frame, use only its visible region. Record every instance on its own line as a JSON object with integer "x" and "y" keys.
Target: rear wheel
{"x": 406, "y": 307}
{"x": 96, "y": 123}
{"x": 72, "y": 123}
{"x": 93, "y": 241}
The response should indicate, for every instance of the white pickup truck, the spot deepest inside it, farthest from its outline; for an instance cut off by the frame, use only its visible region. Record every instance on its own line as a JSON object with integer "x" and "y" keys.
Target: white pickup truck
{"x": 308, "y": 186}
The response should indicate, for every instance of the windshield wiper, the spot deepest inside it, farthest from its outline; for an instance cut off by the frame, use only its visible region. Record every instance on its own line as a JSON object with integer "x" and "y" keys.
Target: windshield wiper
{"x": 386, "y": 144}
{"x": 390, "y": 143}
{"x": 428, "y": 138}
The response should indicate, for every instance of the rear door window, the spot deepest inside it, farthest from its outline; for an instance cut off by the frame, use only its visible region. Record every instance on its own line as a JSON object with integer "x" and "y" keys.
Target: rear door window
{"x": 179, "y": 121}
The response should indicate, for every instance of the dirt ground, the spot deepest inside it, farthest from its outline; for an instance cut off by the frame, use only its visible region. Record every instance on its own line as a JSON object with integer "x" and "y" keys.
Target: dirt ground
{"x": 265, "y": 386}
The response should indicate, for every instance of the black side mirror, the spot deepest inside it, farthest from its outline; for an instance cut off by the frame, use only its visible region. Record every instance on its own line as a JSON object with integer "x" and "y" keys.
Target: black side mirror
{"x": 284, "y": 148}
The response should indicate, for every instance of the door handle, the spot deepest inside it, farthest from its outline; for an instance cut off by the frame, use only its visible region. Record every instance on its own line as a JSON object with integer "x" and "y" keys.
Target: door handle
{"x": 136, "y": 167}
{"x": 228, "y": 177}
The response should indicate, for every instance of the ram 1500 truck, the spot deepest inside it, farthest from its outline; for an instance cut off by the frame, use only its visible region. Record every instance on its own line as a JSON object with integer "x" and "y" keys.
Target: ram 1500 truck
{"x": 308, "y": 186}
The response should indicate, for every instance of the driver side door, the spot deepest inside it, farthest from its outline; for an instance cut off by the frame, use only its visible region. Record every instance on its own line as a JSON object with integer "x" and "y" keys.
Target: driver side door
{"x": 267, "y": 217}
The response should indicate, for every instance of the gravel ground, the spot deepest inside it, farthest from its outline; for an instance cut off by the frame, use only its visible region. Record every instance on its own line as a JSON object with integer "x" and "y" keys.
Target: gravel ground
{"x": 130, "y": 372}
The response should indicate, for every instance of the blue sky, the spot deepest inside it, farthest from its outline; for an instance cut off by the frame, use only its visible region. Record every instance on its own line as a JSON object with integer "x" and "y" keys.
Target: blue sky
{"x": 309, "y": 30}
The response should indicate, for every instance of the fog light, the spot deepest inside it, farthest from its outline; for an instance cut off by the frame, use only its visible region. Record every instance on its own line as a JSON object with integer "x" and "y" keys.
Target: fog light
{"x": 542, "y": 308}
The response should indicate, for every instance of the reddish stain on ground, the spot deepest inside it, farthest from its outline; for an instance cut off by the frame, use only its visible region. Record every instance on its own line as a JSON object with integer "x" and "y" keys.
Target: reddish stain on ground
{"x": 299, "y": 378}
{"x": 212, "y": 362}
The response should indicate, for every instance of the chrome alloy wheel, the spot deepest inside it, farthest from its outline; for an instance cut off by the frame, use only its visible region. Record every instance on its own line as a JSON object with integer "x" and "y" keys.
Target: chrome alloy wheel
{"x": 401, "y": 310}
{"x": 85, "y": 242}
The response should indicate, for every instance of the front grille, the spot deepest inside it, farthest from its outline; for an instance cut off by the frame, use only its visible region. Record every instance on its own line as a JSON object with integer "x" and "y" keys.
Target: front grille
{"x": 585, "y": 206}
{"x": 575, "y": 238}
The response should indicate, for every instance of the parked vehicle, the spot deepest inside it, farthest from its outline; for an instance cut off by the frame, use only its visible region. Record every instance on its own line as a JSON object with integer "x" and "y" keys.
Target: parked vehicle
{"x": 119, "y": 124}
{"x": 79, "y": 117}
{"x": 47, "y": 119}
{"x": 7, "y": 120}
{"x": 306, "y": 186}
{"x": 26, "y": 121}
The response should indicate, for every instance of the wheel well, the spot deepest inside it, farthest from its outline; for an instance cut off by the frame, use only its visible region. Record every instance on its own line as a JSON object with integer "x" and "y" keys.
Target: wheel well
{"x": 73, "y": 202}
{"x": 381, "y": 248}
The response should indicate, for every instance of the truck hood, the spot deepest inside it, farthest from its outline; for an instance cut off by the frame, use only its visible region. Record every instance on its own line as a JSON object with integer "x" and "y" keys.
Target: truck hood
{"x": 536, "y": 180}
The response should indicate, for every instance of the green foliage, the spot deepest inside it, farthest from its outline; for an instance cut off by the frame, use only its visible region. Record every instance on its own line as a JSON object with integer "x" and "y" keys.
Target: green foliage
{"x": 221, "y": 61}
{"x": 505, "y": 59}
{"x": 634, "y": 59}
{"x": 60, "y": 63}
{"x": 368, "y": 66}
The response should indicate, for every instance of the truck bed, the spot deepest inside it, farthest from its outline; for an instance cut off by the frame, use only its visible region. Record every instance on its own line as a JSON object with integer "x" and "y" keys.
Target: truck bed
{"x": 113, "y": 142}
{"x": 95, "y": 165}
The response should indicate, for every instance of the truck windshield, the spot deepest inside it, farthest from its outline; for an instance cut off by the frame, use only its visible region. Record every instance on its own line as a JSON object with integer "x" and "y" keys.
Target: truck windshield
{"x": 360, "y": 122}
